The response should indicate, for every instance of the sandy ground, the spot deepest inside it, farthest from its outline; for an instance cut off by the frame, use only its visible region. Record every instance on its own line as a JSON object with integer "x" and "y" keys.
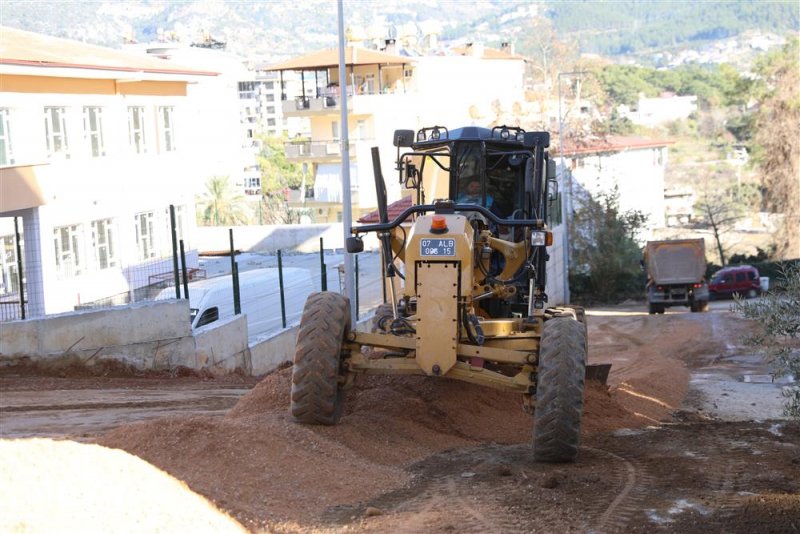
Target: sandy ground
{"x": 688, "y": 437}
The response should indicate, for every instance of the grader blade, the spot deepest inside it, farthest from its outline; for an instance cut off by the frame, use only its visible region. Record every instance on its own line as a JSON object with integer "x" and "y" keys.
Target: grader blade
{"x": 599, "y": 372}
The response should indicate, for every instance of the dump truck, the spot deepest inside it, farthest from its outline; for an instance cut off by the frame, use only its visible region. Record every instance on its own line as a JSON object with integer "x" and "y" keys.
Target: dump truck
{"x": 676, "y": 275}
{"x": 465, "y": 275}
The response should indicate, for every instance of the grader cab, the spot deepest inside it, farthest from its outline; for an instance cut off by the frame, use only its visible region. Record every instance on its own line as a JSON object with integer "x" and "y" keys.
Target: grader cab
{"x": 466, "y": 283}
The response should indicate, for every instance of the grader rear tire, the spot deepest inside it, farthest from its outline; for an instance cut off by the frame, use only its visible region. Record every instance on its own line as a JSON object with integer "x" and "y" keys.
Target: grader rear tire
{"x": 317, "y": 397}
{"x": 559, "y": 391}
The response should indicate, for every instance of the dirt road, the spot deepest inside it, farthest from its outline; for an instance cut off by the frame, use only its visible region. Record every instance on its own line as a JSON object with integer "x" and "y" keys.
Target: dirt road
{"x": 687, "y": 439}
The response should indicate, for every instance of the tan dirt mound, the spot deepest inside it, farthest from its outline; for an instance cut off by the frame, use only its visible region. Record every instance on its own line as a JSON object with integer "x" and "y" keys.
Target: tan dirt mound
{"x": 52, "y": 486}
{"x": 263, "y": 468}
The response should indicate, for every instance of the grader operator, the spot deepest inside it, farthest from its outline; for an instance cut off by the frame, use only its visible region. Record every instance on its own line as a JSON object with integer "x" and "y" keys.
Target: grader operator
{"x": 466, "y": 279}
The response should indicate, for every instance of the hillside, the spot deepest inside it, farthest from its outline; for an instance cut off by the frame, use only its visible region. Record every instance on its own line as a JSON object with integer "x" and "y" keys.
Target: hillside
{"x": 277, "y": 29}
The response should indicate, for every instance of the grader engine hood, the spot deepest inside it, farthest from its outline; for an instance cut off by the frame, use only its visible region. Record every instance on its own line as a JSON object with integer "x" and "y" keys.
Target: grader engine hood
{"x": 438, "y": 273}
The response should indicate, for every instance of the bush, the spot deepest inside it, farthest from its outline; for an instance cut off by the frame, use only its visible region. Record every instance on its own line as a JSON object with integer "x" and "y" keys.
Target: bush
{"x": 777, "y": 315}
{"x": 604, "y": 264}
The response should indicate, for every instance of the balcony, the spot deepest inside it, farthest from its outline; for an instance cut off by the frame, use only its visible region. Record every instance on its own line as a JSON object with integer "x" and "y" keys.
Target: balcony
{"x": 364, "y": 103}
{"x": 316, "y": 151}
{"x": 308, "y": 106}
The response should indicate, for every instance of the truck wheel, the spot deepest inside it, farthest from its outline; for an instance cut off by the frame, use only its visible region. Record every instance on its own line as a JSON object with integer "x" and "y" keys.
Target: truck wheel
{"x": 702, "y": 306}
{"x": 317, "y": 397}
{"x": 752, "y": 293}
{"x": 559, "y": 391}
{"x": 693, "y": 307}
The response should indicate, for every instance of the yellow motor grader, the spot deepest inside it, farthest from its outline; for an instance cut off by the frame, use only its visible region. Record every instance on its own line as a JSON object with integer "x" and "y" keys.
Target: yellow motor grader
{"x": 466, "y": 282}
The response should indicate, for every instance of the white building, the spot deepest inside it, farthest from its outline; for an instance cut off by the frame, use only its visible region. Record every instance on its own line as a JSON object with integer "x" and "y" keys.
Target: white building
{"x": 634, "y": 165}
{"x": 95, "y": 145}
{"x": 663, "y": 109}
{"x": 388, "y": 91}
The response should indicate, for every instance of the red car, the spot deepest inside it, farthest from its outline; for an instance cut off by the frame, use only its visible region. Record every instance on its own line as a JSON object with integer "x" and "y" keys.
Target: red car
{"x": 742, "y": 279}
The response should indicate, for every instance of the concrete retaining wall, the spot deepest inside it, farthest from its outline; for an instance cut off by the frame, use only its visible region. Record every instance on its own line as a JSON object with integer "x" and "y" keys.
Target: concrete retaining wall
{"x": 148, "y": 336}
{"x": 222, "y": 347}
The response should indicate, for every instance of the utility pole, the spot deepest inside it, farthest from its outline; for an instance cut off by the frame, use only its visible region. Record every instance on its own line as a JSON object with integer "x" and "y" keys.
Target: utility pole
{"x": 566, "y": 182}
{"x": 347, "y": 208}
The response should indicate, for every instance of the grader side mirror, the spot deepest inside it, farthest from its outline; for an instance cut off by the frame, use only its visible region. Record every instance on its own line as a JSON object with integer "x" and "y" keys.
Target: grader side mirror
{"x": 354, "y": 245}
{"x": 403, "y": 138}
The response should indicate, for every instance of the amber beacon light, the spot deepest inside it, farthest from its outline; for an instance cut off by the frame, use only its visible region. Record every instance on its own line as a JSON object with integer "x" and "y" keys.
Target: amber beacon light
{"x": 438, "y": 224}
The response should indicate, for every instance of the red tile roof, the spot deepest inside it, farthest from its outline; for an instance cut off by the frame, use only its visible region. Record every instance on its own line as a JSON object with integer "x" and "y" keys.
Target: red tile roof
{"x": 394, "y": 209}
{"x": 612, "y": 143}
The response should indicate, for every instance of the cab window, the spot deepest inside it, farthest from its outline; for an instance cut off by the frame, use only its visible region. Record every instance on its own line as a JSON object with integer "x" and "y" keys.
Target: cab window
{"x": 468, "y": 183}
{"x": 505, "y": 184}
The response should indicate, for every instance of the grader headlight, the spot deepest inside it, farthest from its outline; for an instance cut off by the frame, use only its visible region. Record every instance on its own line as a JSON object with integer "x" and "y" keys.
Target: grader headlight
{"x": 541, "y": 238}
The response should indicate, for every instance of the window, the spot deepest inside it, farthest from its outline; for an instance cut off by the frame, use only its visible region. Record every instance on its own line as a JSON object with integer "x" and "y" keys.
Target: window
{"x": 166, "y": 116}
{"x": 6, "y": 156}
{"x": 55, "y": 124}
{"x": 247, "y": 90}
{"x": 254, "y": 182}
{"x": 208, "y": 317}
{"x": 144, "y": 235}
{"x": 270, "y": 97}
{"x": 370, "y": 84}
{"x": 270, "y": 122}
{"x": 9, "y": 281}
{"x": 271, "y": 110}
{"x": 93, "y": 130}
{"x": 103, "y": 243}
{"x": 269, "y": 85}
{"x": 740, "y": 277}
{"x": 136, "y": 130}
{"x": 554, "y": 210}
{"x": 361, "y": 129}
{"x": 68, "y": 241}
{"x": 335, "y": 130}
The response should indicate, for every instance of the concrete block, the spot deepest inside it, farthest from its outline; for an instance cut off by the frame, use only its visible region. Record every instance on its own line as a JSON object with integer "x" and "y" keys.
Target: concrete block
{"x": 222, "y": 346}
{"x": 19, "y": 338}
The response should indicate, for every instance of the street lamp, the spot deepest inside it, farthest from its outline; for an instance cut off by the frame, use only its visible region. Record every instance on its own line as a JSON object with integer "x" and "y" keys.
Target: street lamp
{"x": 567, "y": 195}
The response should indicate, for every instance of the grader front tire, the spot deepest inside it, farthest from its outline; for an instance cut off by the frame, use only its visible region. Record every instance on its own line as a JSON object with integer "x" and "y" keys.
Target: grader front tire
{"x": 317, "y": 397}
{"x": 559, "y": 391}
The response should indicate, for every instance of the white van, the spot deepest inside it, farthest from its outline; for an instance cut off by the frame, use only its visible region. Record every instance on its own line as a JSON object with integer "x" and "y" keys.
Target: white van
{"x": 259, "y": 289}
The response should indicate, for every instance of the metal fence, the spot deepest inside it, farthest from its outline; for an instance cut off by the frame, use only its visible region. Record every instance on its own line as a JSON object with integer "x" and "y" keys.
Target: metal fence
{"x": 288, "y": 277}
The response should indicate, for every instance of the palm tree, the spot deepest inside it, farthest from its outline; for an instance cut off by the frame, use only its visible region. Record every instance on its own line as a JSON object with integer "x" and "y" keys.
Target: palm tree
{"x": 221, "y": 204}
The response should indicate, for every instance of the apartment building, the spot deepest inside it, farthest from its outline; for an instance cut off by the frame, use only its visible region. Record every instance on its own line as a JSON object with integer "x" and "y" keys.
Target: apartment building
{"x": 387, "y": 91}
{"x": 95, "y": 145}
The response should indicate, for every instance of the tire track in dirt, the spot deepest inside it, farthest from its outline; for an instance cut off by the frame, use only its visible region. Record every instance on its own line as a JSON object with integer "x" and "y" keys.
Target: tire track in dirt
{"x": 635, "y": 485}
{"x": 445, "y": 495}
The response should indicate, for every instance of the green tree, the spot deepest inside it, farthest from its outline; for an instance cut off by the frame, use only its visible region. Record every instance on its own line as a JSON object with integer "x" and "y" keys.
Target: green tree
{"x": 604, "y": 264}
{"x": 777, "y": 316}
{"x": 221, "y": 204}
{"x": 277, "y": 172}
{"x": 623, "y": 83}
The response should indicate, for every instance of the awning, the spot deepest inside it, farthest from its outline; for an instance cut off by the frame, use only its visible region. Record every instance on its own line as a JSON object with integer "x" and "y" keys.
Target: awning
{"x": 329, "y": 58}
{"x": 19, "y": 188}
